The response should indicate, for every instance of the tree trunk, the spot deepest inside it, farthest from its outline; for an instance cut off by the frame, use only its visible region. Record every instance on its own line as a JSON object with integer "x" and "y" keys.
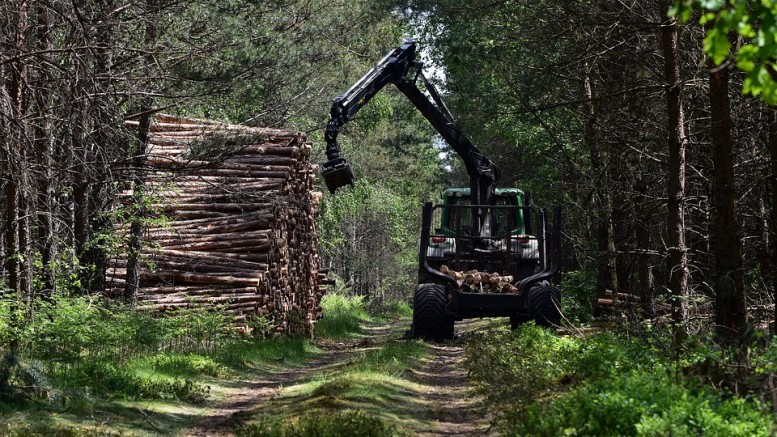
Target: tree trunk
{"x": 45, "y": 235}
{"x": 678, "y": 256}
{"x": 773, "y": 218}
{"x": 19, "y": 263}
{"x": 80, "y": 182}
{"x": 11, "y": 225}
{"x": 136, "y": 228}
{"x": 642, "y": 236}
{"x": 725, "y": 235}
{"x": 605, "y": 276}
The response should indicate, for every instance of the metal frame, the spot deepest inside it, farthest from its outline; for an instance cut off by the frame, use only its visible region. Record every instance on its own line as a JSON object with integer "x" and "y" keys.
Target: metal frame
{"x": 470, "y": 305}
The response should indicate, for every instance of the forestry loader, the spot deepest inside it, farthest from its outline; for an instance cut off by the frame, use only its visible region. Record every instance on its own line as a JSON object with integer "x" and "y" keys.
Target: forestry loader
{"x": 484, "y": 251}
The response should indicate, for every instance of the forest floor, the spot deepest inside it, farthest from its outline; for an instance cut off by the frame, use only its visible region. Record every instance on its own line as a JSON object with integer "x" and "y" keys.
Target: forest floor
{"x": 377, "y": 378}
{"x": 431, "y": 396}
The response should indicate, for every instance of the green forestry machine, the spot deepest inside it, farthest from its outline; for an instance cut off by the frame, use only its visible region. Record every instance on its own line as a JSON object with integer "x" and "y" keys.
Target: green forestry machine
{"x": 476, "y": 233}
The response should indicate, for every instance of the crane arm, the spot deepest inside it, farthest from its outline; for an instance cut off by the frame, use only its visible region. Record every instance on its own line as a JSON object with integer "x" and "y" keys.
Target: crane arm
{"x": 395, "y": 68}
{"x": 336, "y": 171}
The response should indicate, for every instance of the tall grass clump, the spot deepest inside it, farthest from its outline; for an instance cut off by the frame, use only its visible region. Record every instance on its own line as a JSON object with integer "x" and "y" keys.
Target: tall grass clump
{"x": 247, "y": 352}
{"x": 342, "y": 316}
{"x": 397, "y": 309}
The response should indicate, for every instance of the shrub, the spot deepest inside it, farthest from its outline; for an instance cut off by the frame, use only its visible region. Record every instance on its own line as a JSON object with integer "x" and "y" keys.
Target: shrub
{"x": 196, "y": 330}
{"x": 606, "y": 353}
{"x": 65, "y": 329}
{"x": 88, "y": 343}
{"x": 9, "y": 311}
{"x": 641, "y": 403}
{"x": 579, "y": 292}
{"x": 69, "y": 329}
{"x": 520, "y": 364}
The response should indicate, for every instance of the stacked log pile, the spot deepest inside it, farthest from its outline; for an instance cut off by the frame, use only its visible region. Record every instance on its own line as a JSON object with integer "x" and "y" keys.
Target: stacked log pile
{"x": 238, "y": 230}
{"x": 474, "y": 281}
{"x": 623, "y": 299}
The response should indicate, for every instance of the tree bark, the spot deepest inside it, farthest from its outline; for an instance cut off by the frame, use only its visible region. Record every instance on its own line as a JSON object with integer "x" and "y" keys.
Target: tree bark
{"x": 642, "y": 236}
{"x": 726, "y": 233}
{"x": 606, "y": 272}
{"x": 19, "y": 261}
{"x": 773, "y": 217}
{"x": 44, "y": 166}
{"x": 678, "y": 254}
{"x": 136, "y": 227}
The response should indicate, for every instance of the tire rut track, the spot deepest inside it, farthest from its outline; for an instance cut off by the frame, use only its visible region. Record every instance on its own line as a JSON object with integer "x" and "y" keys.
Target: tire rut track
{"x": 447, "y": 405}
{"x": 455, "y": 408}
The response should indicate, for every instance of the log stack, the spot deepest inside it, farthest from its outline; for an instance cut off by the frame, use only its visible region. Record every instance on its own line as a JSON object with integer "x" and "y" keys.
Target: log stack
{"x": 236, "y": 228}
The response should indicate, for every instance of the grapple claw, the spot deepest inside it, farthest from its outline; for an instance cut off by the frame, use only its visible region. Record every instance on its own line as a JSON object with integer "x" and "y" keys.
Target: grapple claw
{"x": 337, "y": 173}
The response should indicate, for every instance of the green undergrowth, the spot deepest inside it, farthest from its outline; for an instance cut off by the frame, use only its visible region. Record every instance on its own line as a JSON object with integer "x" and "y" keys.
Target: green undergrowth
{"x": 85, "y": 354}
{"x": 394, "y": 310}
{"x": 343, "y": 316}
{"x": 369, "y": 394}
{"x": 45, "y": 429}
{"x": 541, "y": 384}
{"x": 346, "y": 316}
{"x": 373, "y": 394}
{"x": 143, "y": 374}
{"x": 337, "y": 424}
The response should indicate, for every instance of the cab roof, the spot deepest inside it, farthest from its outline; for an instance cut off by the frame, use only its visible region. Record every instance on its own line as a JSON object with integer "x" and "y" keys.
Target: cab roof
{"x": 462, "y": 192}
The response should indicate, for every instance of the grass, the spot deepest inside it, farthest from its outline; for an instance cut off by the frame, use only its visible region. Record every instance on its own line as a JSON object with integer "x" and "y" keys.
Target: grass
{"x": 149, "y": 395}
{"x": 84, "y": 369}
{"x": 267, "y": 354}
{"x": 343, "y": 316}
{"x": 110, "y": 375}
{"x": 376, "y": 388}
{"x": 341, "y": 423}
{"x": 372, "y": 394}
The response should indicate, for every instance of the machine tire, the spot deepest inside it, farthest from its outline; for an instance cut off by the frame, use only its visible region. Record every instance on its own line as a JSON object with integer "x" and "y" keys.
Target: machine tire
{"x": 429, "y": 319}
{"x": 544, "y": 302}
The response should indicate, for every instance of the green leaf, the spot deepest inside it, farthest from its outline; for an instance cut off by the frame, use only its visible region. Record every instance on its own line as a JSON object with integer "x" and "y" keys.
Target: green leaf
{"x": 681, "y": 9}
{"x": 717, "y": 45}
{"x": 708, "y": 18}
{"x": 746, "y": 58}
{"x": 712, "y": 5}
{"x": 745, "y": 29}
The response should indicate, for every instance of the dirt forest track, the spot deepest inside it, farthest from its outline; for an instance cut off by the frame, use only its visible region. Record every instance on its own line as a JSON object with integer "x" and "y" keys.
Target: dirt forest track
{"x": 443, "y": 403}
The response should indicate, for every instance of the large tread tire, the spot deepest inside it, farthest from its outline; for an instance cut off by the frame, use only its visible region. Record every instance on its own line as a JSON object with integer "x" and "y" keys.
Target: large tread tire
{"x": 544, "y": 302}
{"x": 430, "y": 321}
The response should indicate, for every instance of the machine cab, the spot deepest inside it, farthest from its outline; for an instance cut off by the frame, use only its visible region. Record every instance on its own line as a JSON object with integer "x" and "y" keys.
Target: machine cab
{"x": 502, "y": 219}
{"x": 509, "y": 224}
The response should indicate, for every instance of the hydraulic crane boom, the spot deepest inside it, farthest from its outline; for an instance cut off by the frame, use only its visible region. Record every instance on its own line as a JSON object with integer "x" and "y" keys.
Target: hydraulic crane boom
{"x": 400, "y": 68}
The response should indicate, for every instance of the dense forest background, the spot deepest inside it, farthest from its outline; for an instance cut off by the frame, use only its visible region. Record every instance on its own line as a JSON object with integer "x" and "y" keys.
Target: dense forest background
{"x": 613, "y": 110}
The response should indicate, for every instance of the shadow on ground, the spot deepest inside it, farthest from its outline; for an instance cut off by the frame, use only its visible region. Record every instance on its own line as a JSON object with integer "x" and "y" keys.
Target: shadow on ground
{"x": 421, "y": 388}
